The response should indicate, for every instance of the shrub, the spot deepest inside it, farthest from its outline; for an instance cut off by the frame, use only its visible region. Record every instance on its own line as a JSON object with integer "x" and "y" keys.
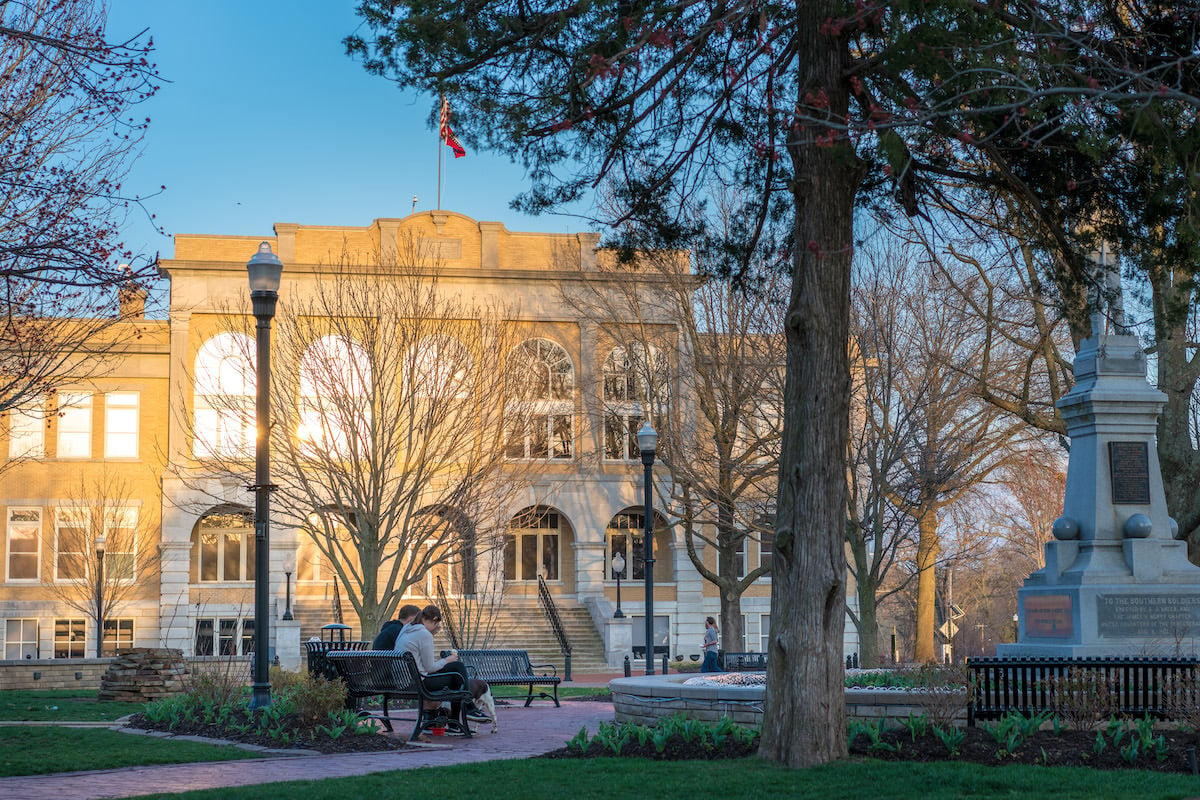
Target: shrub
{"x": 314, "y": 698}
{"x": 1083, "y": 698}
{"x": 940, "y": 692}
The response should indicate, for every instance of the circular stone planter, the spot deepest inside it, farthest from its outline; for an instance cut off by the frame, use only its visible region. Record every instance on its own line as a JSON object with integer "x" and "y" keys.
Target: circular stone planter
{"x": 649, "y": 698}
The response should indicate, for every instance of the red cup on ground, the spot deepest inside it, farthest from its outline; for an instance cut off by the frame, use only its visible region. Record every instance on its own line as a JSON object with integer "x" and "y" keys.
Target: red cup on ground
{"x": 438, "y": 731}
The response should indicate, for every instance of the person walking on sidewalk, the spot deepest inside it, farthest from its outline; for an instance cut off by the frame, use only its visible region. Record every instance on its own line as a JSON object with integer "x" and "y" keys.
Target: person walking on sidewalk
{"x": 710, "y": 646}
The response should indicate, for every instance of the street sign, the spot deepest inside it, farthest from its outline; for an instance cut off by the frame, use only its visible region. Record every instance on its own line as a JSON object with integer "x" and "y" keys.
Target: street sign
{"x": 948, "y": 629}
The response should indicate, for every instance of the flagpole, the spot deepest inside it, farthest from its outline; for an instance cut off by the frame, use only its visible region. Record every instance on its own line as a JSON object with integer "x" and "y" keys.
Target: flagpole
{"x": 441, "y": 111}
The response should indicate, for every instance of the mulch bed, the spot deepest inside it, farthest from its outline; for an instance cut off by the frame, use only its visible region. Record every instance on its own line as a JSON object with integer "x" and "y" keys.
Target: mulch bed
{"x": 303, "y": 739}
{"x": 1068, "y": 748}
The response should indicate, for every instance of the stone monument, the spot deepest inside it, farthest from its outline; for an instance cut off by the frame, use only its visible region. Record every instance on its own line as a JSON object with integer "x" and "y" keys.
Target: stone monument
{"x": 1116, "y": 581}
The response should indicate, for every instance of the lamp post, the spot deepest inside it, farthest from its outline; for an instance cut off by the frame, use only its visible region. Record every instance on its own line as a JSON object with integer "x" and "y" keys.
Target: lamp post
{"x": 647, "y": 440}
{"x": 289, "y": 566}
{"x": 100, "y": 543}
{"x": 264, "y": 270}
{"x": 618, "y": 568}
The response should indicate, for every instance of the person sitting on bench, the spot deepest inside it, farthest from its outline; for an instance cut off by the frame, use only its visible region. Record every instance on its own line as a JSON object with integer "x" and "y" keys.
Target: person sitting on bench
{"x": 386, "y": 640}
{"x": 417, "y": 638}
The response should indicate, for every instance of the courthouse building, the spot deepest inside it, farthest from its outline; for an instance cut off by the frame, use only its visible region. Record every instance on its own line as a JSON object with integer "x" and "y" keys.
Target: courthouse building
{"x": 144, "y": 431}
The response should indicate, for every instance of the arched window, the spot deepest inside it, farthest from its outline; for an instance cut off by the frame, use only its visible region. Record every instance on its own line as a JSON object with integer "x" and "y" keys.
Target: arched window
{"x": 626, "y": 534}
{"x": 335, "y": 404}
{"x": 539, "y": 412}
{"x": 533, "y": 545}
{"x": 224, "y": 547}
{"x": 224, "y": 397}
{"x": 636, "y": 378}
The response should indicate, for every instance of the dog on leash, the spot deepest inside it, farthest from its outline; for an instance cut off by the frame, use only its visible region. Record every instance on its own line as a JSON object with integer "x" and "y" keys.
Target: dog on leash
{"x": 487, "y": 703}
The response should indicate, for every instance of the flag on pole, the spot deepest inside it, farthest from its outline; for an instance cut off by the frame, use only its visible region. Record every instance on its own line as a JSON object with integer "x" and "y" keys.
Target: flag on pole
{"x": 447, "y": 133}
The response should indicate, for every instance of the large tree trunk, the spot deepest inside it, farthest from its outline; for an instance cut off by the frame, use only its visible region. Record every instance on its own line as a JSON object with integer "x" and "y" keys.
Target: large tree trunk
{"x": 868, "y": 612}
{"x": 1177, "y": 377}
{"x": 805, "y": 710}
{"x": 928, "y": 548}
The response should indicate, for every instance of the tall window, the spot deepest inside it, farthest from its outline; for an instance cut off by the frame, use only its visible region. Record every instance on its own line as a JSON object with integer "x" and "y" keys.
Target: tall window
{"x": 24, "y": 544}
{"x": 335, "y": 408}
{"x": 539, "y": 411}
{"x": 121, "y": 425}
{"x": 224, "y": 636}
{"x": 70, "y": 638}
{"x": 626, "y": 534}
{"x": 118, "y": 636}
{"x": 75, "y": 532}
{"x": 764, "y": 623}
{"x": 74, "y": 425}
{"x": 532, "y": 546}
{"x": 27, "y": 432}
{"x": 226, "y": 548}
{"x": 224, "y": 397}
{"x": 20, "y": 639}
{"x": 635, "y": 379}
{"x": 439, "y": 367}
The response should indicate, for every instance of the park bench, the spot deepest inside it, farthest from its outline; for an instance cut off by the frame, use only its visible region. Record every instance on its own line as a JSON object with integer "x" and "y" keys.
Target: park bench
{"x": 1139, "y": 686}
{"x": 742, "y": 662}
{"x": 318, "y": 665}
{"x": 393, "y": 675}
{"x": 512, "y": 668}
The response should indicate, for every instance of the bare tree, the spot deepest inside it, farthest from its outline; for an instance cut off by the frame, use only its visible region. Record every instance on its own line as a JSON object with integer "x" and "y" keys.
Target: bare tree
{"x": 104, "y": 553}
{"x": 390, "y": 421}
{"x": 718, "y": 409}
{"x": 68, "y": 134}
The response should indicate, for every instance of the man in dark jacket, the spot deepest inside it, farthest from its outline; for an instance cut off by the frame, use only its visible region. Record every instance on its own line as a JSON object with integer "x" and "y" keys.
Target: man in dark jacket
{"x": 386, "y": 640}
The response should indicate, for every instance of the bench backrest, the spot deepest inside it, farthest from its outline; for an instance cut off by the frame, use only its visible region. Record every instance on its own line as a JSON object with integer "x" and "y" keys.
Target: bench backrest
{"x": 317, "y": 665}
{"x": 744, "y": 662}
{"x": 496, "y": 663}
{"x": 377, "y": 671}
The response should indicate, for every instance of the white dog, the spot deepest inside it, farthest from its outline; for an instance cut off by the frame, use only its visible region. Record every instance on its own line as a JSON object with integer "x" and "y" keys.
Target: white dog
{"x": 487, "y": 703}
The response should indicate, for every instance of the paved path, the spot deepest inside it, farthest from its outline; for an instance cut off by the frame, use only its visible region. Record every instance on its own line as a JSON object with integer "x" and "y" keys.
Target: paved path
{"x": 523, "y": 732}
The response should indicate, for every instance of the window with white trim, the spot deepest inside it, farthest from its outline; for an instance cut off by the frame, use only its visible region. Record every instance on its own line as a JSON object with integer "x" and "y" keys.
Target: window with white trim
{"x": 20, "y": 639}
{"x": 70, "y": 638}
{"x": 224, "y": 397}
{"x": 24, "y": 544}
{"x": 539, "y": 410}
{"x": 76, "y": 529}
{"x": 121, "y": 425}
{"x": 226, "y": 548}
{"x": 224, "y": 636}
{"x": 636, "y": 378}
{"x": 118, "y": 636}
{"x": 532, "y": 545}
{"x": 74, "y": 425}
{"x": 764, "y": 628}
{"x": 27, "y": 431}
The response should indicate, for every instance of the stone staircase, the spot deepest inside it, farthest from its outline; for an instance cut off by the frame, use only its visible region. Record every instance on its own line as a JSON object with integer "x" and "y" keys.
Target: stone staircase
{"x": 521, "y": 625}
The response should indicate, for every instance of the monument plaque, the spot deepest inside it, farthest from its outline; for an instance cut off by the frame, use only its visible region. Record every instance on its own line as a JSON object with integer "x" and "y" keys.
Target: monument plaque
{"x": 1162, "y": 616}
{"x": 1129, "y": 471}
{"x": 1048, "y": 616}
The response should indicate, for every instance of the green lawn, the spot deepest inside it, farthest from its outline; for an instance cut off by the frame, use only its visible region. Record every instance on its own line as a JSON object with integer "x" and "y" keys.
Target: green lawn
{"x": 608, "y": 779}
{"x": 40, "y": 750}
{"x": 68, "y": 705}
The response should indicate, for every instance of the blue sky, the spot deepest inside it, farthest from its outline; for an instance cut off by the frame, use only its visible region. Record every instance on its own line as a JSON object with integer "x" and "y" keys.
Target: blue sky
{"x": 264, "y": 120}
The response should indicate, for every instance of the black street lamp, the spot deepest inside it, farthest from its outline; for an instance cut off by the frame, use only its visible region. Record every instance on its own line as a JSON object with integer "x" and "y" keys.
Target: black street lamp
{"x": 264, "y": 270}
{"x": 100, "y": 542}
{"x": 289, "y": 566}
{"x": 647, "y": 440}
{"x": 618, "y": 568}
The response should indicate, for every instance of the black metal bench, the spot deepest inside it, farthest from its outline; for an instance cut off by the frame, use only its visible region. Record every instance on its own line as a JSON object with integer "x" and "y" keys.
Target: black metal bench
{"x": 742, "y": 662}
{"x": 317, "y": 665}
{"x": 1001, "y": 685}
{"x": 394, "y": 675}
{"x": 512, "y": 668}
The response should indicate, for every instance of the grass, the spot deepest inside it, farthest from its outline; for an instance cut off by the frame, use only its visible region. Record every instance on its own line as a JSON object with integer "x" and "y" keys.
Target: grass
{"x": 605, "y": 779}
{"x": 65, "y": 705}
{"x": 26, "y": 750}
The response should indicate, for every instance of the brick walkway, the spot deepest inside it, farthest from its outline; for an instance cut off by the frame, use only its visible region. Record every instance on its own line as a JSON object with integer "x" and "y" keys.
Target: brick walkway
{"x": 523, "y": 732}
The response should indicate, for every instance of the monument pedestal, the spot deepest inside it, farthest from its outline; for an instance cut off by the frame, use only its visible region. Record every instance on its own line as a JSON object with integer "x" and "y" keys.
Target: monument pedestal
{"x": 1116, "y": 582}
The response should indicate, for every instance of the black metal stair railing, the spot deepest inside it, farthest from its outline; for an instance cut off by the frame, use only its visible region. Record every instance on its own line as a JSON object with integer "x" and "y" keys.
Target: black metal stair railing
{"x": 447, "y": 616}
{"x": 546, "y": 601}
